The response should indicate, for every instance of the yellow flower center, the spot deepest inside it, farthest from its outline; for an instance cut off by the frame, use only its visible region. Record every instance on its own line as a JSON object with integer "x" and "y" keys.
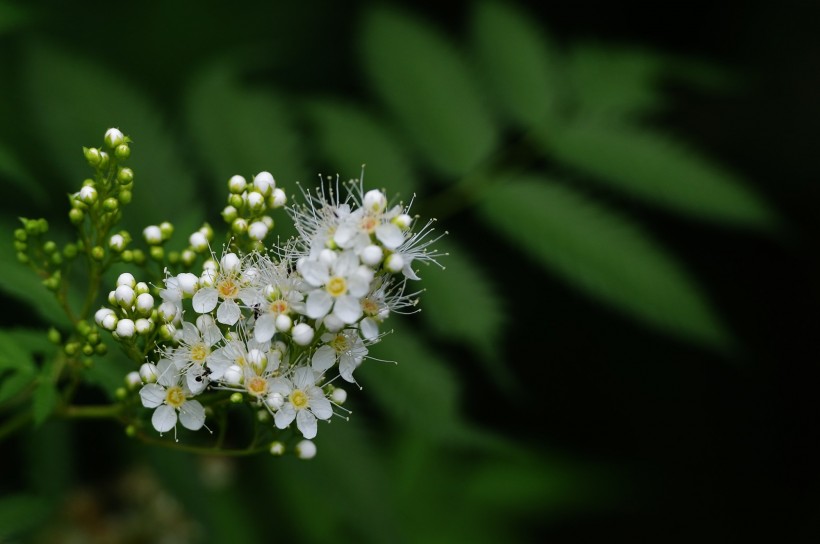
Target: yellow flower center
{"x": 340, "y": 343}
{"x": 174, "y": 396}
{"x": 199, "y": 352}
{"x": 298, "y": 399}
{"x": 369, "y": 224}
{"x": 257, "y": 386}
{"x": 278, "y": 307}
{"x": 227, "y": 288}
{"x": 336, "y": 286}
{"x": 370, "y": 307}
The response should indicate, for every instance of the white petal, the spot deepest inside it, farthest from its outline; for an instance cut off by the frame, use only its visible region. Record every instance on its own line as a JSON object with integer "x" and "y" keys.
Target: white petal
{"x": 228, "y": 312}
{"x": 348, "y": 308}
{"x": 281, "y": 386}
{"x": 303, "y": 378}
{"x": 152, "y": 395}
{"x": 346, "y": 263}
{"x": 369, "y": 328}
{"x": 321, "y": 408}
{"x": 164, "y": 418}
{"x": 192, "y": 415}
{"x": 358, "y": 285}
{"x": 196, "y": 386}
{"x": 306, "y": 422}
{"x": 167, "y": 373}
{"x": 324, "y": 358}
{"x": 408, "y": 271}
{"x": 205, "y": 300}
{"x": 284, "y": 416}
{"x": 265, "y": 328}
{"x": 346, "y": 367}
{"x": 344, "y": 234}
{"x": 318, "y": 304}
{"x": 390, "y": 235}
{"x": 315, "y": 273}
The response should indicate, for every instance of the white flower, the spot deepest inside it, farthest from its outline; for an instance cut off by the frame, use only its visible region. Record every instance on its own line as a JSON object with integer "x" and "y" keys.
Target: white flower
{"x": 302, "y": 334}
{"x": 227, "y": 287}
{"x": 344, "y": 347}
{"x": 152, "y": 234}
{"x": 195, "y": 351}
{"x": 170, "y": 398}
{"x": 305, "y": 402}
{"x": 338, "y": 282}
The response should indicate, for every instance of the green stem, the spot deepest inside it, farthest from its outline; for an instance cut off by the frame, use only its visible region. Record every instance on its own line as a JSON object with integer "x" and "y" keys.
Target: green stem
{"x": 109, "y": 411}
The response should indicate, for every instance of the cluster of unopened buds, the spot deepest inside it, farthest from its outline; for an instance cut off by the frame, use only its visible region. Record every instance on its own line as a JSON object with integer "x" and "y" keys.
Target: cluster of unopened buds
{"x": 279, "y": 328}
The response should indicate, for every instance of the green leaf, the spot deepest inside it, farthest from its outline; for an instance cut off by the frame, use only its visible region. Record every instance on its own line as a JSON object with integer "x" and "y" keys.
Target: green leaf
{"x": 461, "y": 303}
{"x": 660, "y": 171}
{"x": 348, "y": 137}
{"x": 241, "y": 130}
{"x": 15, "y": 174}
{"x": 13, "y": 355}
{"x": 419, "y": 374}
{"x": 20, "y": 282}
{"x": 45, "y": 400}
{"x": 20, "y": 513}
{"x": 602, "y": 254}
{"x": 519, "y": 63}
{"x": 14, "y": 382}
{"x": 615, "y": 82}
{"x": 73, "y": 103}
{"x": 12, "y": 17}
{"x": 426, "y": 85}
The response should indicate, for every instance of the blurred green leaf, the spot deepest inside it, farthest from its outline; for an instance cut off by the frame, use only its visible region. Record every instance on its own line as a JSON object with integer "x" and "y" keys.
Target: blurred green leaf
{"x": 14, "y": 382}
{"x": 428, "y": 88}
{"x": 615, "y": 82}
{"x": 348, "y": 137}
{"x": 12, "y": 17}
{"x": 74, "y": 101}
{"x": 14, "y": 173}
{"x": 660, "y": 171}
{"x": 461, "y": 303}
{"x": 50, "y": 453}
{"x": 603, "y": 254}
{"x": 20, "y": 513}
{"x": 420, "y": 391}
{"x": 45, "y": 400}
{"x": 13, "y": 355}
{"x": 519, "y": 63}
{"x": 241, "y": 130}
{"x": 109, "y": 372}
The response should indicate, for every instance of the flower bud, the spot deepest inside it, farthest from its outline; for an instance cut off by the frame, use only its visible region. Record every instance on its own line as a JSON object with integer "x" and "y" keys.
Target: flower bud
{"x": 157, "y": 253}
{"x": 76, "y": 216}
{"x": 144, "y": 326}
{"x": 87, "y": 195}
{"x": 371, "y": 255}
{"x": 122, "y": 152}
{"x": 198, "y": 242}
{"x": 237, "y": 184}
{"x": 133, "y": 380}
{"x": 239, "y": 226}
{"x": 230, "y": 263}
{"x": 283, "y": 323}
{"x": 111, "y": 204}
{"x": 101, "y": 314}
{"x": 264, "y": 183}
{"x": 149, "y": 373}
{"x": 306, "y": 449}
{"x": 152, "y": 234}
{"x": 256, "y": 202}
{"x": 374, "y": 201}
{"x": 126, "y": 278}
{"x": 92, "y": 155}
{"x": 333, "y": 323}
{"x": 125, "y": 176}
{"x": 124, "y": 295}
{"x": 97, "y": 253}
{"x": 277, "y": 448}
{"x": 145, "y": 304}
{"x": 274, "y": 401}
{"x": 167, "y": 229}
{"x": 229, "y": 213}
{"x": 125, "y": 328}
{"x": 258, "y": 360}
{"x": 141, "y": 287}
{"x": 277, "y": 198}
{"x": 233, "y": 375}
{"x": 116, "y": 243}
{"x": 168, "y": 311}
{"x": 302, "y": 334}
{"x": 338, "y": 395}
{"x": 257, "y": 230}
{"x": 125, "y": 196}
{"x": 113, "y": 138}
{"x": 394, "y": 263}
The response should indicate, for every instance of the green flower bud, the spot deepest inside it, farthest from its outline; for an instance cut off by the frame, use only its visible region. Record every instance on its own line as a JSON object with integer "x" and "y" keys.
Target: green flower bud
{"x": 93, "y": 338}
{"x": 125, "y": 176}
{"x": 125, "y": 196}
{"x": 54, "y": 336}
{"x": 229, "y": 214}
{"x": 111, "y": 204}
{"x": 50, "y": 247}
{"x": 20, "y": 246}
{"x": 92, "y": 155}
{"x": 207, "y": 230}
{"x": 97, "y": 253}
{"x": 120, "y": 393}
{"x": 167, "y": 230}
{"x": 83, "y": 327}
{"x": 139, "y": 257}
{"x": 113, "y": 138}
{"x": 236, "y": 398}
{"x": 20, "y": 234}
{"x": 173, "y": 257}
{"x": 130, "y": 431}
{"x": 236, "y": 201}
{"x": 122, "y": 152}
{"x": 57, "y": 259}
{"x": 103, "y": 160}
{"x": 100, "y": 349}
{"x": 88, "y": 362}
{"x": 71, "y": 348}
{"x": 22, "y": 258}
{"x": 188, "y": 257}
{"x": 127, "y": 256}
{"x": 70, "y": 251}
{"x": 42, "y": 225}
{"x": 76, "y": 216}
{"x": 157, "y": 253}
{"x": 239, "y": 226}
{"x": 88, "y": 350}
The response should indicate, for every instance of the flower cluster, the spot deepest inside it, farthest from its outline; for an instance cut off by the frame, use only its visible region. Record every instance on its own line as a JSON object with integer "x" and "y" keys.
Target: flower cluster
{"x": 275, "y": 327}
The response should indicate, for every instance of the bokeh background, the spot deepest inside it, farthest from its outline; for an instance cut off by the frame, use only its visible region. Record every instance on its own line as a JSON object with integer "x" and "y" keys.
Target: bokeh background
{"x": 623, "y": 343}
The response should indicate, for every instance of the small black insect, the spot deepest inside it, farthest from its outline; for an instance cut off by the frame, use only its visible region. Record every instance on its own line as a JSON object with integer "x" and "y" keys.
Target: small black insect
{"x": 205, "y": 373}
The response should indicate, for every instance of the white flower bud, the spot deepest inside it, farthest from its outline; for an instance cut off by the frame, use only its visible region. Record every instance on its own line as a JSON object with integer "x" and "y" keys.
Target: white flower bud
{"x": 116, "y": 242}
{"x": 283, "y": 323}
{"x": 125, "y": 328}
{"x": 339, "y": 395}
{"x": 264, "y": 182}
{"x": 237, "y": 184}
{"x": 230, "y": 263}
{"x": 113, "y": 138}
{"x": 233, "y": 375}
{"x": 207, "y": 278}
{"x": 144, "y": 326}
{"x": 141, "y": 287}
{"x": 101, "y": 314}
{"x": 112, "y": 298}
{"x": 198, "y": 241}
{"x": 268, "y": 221}
{"x": 394, "y": 263}
{"x": 278, "y": 198}
{"x": 145, "y": 304}
{"x": 124, "y": 295}
{"x": 126, "y": 279}
{"x": 149, "y": 373}
{"x": 256, "y": 202}
{"x": 257, "y": 230}
{"x": 168, "y": 311}
{"x": 403, "y": 221}
{"x": 277, "y": 448}
{"x": 274, "y": 401}
{"x": 374, "y": 201}
{"x": 306, "y": 449}
{"x": 132, "y": 380}
{"x": 109, "y": 322}
{"x": 302, "y": 334}
{"x": 210, "y": 264}
{"x": 87, "y": 195}
{"x": 372, "y": 255}
{"x": 258, "y": 360}
{"x": 333, "y": 323}
{"x": 152, "y": 234}
{"x": 188, "y": 283}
